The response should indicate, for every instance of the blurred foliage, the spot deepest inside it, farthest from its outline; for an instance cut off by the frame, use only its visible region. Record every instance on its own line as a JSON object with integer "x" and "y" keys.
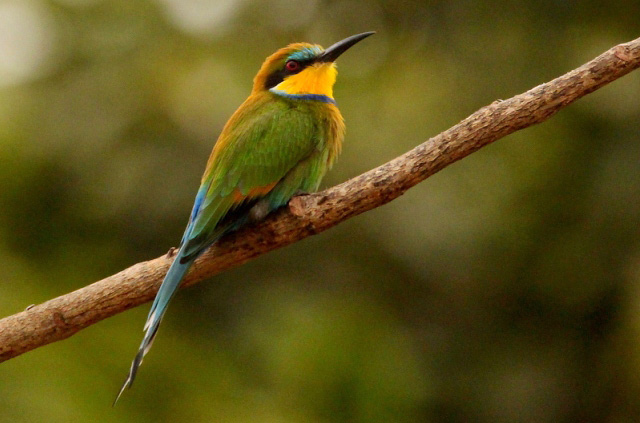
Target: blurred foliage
{"x": 503, "y": 289}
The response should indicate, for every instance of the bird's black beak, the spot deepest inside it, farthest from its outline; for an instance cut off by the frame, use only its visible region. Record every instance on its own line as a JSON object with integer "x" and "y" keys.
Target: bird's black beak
{"x": 332, "y": 53}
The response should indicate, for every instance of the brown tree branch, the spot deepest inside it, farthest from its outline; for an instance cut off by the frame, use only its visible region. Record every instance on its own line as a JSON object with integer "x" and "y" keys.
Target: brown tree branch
{"x": 308, "y": 215}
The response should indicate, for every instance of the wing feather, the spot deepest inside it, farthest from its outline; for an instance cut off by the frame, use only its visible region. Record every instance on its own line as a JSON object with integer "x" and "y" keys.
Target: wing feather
{"x": 262, "y": 143}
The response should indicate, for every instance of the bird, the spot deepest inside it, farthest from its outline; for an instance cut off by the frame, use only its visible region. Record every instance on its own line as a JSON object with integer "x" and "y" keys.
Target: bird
{"x": 280, "y": 142}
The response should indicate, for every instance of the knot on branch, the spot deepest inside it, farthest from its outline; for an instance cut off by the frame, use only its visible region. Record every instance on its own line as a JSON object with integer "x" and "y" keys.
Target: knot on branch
{"x": 622, "y": 52}
{"x": 301, "y": 205}
{"x": 59, "y": 320}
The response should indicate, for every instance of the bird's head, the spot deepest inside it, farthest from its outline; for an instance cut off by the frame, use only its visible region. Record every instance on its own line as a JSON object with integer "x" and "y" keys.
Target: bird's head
{"x": 303, "y": 68}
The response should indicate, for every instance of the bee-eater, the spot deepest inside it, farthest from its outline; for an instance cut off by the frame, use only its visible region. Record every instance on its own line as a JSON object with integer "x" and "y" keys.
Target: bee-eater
{"x": 280, "y": 141}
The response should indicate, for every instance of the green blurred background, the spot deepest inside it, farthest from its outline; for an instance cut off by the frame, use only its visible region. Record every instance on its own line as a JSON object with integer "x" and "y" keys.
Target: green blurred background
{"x": 504, "y": 289}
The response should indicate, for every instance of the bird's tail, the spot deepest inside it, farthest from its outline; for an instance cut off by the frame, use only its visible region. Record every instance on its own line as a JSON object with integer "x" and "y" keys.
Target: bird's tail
{"x": 167, "y": 290}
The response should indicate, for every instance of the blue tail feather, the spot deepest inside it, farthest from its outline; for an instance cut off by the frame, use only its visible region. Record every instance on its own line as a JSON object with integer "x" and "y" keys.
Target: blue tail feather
{"x": 186, "y": 255}
{"x": 167, "y": 290}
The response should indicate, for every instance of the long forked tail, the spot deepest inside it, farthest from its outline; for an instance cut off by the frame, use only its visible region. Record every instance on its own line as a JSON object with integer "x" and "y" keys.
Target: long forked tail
{"x": 167, "y": 290}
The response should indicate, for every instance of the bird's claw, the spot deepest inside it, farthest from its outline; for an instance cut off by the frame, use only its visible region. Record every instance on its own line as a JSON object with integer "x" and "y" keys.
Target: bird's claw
{"x": 259, "y": 211}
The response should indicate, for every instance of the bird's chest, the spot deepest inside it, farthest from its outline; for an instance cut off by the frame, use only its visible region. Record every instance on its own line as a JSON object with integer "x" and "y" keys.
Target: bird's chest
{"x": 328, "y": 126}
{"x": 334, "y": 132}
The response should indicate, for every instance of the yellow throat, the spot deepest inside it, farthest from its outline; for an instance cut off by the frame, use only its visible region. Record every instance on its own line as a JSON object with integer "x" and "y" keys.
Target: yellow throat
{"x": 315, "y": 79}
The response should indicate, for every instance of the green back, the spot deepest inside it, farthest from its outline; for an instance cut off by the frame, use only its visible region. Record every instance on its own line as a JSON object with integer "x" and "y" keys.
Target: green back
{"x": 269, "y": 140}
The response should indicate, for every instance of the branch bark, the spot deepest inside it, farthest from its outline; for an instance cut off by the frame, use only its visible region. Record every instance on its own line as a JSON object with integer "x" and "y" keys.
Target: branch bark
{"x": 308, "y": 215}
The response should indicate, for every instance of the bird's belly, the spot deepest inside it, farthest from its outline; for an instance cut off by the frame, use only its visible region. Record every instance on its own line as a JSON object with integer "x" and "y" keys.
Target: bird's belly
{"x": 305, "y": 176}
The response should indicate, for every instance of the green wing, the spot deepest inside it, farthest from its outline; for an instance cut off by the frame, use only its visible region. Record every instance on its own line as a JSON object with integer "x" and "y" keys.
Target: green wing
{"x": 265, "y": 141}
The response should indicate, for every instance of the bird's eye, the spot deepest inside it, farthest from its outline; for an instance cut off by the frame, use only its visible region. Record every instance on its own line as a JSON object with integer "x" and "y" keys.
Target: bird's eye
{"x": 292, "y": 66}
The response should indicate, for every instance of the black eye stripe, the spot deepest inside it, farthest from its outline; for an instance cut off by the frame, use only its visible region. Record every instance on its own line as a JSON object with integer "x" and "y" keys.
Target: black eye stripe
{"x": 278, "y": 76}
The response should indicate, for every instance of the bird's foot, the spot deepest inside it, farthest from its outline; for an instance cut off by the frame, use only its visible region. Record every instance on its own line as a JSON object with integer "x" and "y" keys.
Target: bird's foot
{"x": 259, "y": 211}
{"x": 171, "y": 252}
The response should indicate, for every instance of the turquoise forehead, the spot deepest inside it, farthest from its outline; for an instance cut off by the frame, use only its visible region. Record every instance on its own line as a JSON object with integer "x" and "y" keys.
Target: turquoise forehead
{"x": 306, "y": 53}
